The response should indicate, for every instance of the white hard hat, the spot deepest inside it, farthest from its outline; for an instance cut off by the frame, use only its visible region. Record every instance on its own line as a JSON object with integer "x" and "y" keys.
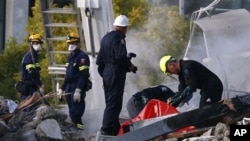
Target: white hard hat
{"x": 121, "y": 20}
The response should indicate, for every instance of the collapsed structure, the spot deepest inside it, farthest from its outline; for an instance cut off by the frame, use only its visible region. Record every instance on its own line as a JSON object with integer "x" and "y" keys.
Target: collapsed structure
{"x": 221, "y": 47}
{"x": 219, "y": 39}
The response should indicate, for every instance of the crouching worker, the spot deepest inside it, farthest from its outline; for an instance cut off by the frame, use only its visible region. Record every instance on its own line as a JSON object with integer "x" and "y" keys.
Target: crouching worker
{"x": 192, "y": 75}
{"x": 138, "y": 101}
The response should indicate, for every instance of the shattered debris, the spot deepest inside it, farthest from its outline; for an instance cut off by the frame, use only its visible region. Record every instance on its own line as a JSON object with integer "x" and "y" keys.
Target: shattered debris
{"x": 43, "y": 124}
{"x": 47, "y": 124}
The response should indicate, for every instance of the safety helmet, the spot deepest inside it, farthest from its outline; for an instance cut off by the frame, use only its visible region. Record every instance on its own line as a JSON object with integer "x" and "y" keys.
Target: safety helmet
{"x": 164, "y": 62}
{"x": 72, "y": 37}
{"x": 121, "y": 21}
{"x": 36, "y": 38}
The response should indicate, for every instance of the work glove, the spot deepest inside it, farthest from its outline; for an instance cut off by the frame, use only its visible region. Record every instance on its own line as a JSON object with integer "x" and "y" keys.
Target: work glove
{"x": 131, "y": 55}
{"x": 41, "y": 89}
{"x": 77, "y": 95}
{"x": 186, "y": 100}
{"x": 177, "y": 99}
{"x": 88, "y": 85}
{"x": 133, "y": 68}
{"x": 59, "y": 94}
{"x": 174, "y": 100}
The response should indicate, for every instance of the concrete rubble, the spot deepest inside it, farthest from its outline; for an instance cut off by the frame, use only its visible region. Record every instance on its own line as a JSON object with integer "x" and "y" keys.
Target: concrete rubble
{"x": 50, "y": 124}
{"x": 43, "y": 124}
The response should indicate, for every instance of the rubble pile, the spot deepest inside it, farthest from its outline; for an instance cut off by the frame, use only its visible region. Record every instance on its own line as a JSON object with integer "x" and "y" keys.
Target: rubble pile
{"x": 43, "y": 124}
{"x": 218, "y": 133}
{"x": 46, "y": 123}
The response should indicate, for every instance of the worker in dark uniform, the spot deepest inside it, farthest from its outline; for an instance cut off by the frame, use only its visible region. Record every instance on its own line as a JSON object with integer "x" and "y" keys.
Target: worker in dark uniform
{"x": 192, "y": 76}
{"x": 113, "y": 64}
{"x": 138, "y": 101}
{"x": 31, "y": 68}
{"x": 76, "y": 79}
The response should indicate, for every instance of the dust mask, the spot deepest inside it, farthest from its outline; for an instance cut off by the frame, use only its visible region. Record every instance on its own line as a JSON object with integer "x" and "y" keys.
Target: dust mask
{"x": 72, "y": 47}
{"x": 37, "y": 47}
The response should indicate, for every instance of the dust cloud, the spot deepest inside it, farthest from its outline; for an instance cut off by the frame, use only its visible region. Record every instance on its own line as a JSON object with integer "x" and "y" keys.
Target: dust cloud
{"x": 227, "y": 55}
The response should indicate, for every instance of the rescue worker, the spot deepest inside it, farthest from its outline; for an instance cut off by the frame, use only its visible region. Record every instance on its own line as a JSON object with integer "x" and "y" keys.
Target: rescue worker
{"x": 113, "y": 64}
{"x": 138, "y": 101}
{"x": 192, "y": 76}
{"x": 30, "y": 68}
{"x": 76, "y": 79}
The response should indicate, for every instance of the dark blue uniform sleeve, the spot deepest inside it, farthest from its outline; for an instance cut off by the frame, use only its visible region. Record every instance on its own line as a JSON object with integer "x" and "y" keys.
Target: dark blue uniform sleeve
{"x": 83, "y": 63}
{"x": 100, "y": 63}
{"x": 113, "y": 51}
{"x": 63, "y": 86}
{"x": 120, "y": 53}
{"x": 77, "y": 70}
{"x": 31, "y": 69}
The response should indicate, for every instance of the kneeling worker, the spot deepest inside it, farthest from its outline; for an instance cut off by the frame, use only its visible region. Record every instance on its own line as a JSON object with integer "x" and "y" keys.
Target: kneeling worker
{"x": 137, "y": 102}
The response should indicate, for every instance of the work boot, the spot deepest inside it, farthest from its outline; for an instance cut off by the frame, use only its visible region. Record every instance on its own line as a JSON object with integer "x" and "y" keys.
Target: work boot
{"x": 106, "y": 133}
{"x": 78, "y": 122}
{"x": 80, "y": 126}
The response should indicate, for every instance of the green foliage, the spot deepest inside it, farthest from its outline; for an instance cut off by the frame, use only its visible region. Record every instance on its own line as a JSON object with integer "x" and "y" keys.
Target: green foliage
{"x": 136, "y": 10}
{"x": 10, "y": 70}
{"x": 165, "y": 32}
{"x": 167, "y": 29}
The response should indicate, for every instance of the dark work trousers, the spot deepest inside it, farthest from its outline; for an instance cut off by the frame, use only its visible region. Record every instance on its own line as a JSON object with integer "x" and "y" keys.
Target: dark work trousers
{"x": 76, "y": 109}
{"x": 211, "y": 90}
{"x": 113, "y": 82}
{"x": 134, "y": 106}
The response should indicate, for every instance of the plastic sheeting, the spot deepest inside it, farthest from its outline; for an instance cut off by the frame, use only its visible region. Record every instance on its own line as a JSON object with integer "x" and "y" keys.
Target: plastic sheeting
{"x": 224, "y": 47}
{"x": 233, "y": 70}
{"x": 226, "y": 33}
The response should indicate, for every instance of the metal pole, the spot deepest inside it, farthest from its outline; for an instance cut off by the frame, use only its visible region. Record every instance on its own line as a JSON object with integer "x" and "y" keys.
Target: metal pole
{"x": 181, "y": 7}
{"x": 89, "y": 13}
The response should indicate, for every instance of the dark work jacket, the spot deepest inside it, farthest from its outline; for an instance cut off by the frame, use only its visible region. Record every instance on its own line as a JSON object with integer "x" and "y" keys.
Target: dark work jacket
{"x": 113, "y": 52}
{"x": 195, "y": 75}
{"x": 160, "y": 92}
{"x": 31, "y": 68}
{"x": 77, "y": 70}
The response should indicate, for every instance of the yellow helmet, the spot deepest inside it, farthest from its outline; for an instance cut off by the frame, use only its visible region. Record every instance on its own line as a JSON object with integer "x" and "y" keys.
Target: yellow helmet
{"x": 72, "y": 37}
{"x": 36, "y": 38}
{"x": 164, "y": 61}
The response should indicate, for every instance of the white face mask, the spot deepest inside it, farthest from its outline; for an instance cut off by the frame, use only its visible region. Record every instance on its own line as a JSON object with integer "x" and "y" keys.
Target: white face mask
{"x": 37, "y": 47}
{"x": 72, "y": 47}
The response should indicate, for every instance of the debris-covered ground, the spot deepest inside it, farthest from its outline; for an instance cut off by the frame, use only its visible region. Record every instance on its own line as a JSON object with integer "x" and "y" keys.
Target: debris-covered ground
{"x": 48, "y": 124}
{"x": 43, "y": 124}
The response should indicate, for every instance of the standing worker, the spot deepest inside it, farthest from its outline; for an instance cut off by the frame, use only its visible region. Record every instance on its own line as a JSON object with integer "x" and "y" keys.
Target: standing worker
{"x": 113, "y": 64}
{"x": 76, "y": 79}
{"x": 192, "y": 75}
{"x": 30, "y": 69}
{"x": 139, "y": 100}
